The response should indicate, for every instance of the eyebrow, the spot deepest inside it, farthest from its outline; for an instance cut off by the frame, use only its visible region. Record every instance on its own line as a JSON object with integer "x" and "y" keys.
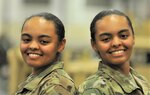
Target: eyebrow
{"x": 104, "y": 34}
{"x": 44, "y": 35}
{"x": 41, "y": 36}
{"x": 25, "y": 34}
{"x": 108, "y": 34}
{"x": 123, "y": 30}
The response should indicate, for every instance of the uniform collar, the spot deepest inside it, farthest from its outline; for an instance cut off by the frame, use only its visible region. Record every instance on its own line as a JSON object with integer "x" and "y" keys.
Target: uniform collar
{"x": 32, "y": 84}
{"x": 143, "y": 83}
{"x": 123, "y": 81}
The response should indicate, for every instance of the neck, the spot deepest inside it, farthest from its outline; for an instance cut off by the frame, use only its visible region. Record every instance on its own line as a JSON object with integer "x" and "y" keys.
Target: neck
{"x": 123, "y": 68}
{"x": 37, "y": 70}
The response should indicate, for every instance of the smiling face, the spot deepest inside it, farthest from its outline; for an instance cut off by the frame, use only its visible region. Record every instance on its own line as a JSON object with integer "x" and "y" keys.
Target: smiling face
{"x": 39, "y": 42}
{"x": 114, "y": 40}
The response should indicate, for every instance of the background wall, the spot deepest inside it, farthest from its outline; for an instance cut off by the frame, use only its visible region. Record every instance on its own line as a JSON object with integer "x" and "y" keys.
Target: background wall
{"x": 76, "y": 16}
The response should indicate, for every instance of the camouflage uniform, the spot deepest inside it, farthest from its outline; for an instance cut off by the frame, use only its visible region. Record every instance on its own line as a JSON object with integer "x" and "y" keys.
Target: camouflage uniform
{"x": 52, "y": 81}
{"x": 108, "y": 81}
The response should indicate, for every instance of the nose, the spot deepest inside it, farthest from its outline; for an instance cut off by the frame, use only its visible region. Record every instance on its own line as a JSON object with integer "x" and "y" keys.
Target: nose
{"x": 33, "y": 45}
{"x": 116, "y": 42}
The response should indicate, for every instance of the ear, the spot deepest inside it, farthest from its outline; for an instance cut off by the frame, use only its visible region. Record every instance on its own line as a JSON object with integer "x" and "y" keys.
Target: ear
{"x": 61, "y": 45}
{"x": 93, "y": 44}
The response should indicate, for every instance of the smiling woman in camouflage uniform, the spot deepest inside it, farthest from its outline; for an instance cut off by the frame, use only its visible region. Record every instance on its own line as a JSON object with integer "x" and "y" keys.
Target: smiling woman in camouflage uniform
{"x": 112, "y": 37}
{"x": 42, "y": 41}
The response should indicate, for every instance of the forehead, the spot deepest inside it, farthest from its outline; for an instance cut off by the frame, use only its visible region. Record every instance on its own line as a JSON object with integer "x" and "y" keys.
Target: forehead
{"x": 37, "y": 20}
{"x": 38, "y": 23}
{"x": 111, "y": 22}
{"x": 112, "y": 19}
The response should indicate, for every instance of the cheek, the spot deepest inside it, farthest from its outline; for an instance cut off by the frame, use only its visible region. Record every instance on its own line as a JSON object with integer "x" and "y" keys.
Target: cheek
{"x": 103, "y": 47}
{"x": 129, "y": 43}
{"x": 50, "y": 50}
{"x": 22, "y": 47}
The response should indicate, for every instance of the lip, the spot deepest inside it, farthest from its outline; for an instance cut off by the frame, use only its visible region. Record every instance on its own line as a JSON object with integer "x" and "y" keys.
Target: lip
{"x": 33, "y": 55}
{"x": 117, "y": 53}
{"x": 28, "y": 53}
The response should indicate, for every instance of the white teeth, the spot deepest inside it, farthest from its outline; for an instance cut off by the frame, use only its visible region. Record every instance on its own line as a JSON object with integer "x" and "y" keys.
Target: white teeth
{"x": 117, "y": 52}
{"x": 33, "y": 55}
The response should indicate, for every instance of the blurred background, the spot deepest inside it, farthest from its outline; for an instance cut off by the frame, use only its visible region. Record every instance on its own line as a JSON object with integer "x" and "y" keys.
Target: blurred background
{"x": 80, "y": 60}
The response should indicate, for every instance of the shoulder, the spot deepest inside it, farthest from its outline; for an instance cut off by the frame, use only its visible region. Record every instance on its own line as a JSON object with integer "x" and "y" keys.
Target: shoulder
{"x": 138, "y": 77}
{"x": 58, "y": 77}
{"x": 58, "y": 81}
{"x": 96, "y": 84}
{"x": 141, "y": 80}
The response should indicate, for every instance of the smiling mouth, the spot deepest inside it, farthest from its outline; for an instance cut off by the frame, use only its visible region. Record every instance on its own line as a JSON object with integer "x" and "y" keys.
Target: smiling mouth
{"x": 117, "y": 51}
{"x": 34, "y": 55}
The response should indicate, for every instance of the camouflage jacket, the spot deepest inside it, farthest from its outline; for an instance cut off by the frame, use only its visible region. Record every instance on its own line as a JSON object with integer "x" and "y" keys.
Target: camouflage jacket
{"x": 52, "y": 81}
{"x": 108, "y": 81}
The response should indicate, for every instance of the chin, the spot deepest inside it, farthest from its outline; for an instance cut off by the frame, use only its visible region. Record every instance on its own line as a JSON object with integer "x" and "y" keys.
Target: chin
{"x": 119, "y": 62}
{"x": 33, "y": 64}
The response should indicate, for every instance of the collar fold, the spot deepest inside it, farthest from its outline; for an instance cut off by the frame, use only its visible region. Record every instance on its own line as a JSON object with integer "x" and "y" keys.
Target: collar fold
{"x": 126, "y": 82}
{"x": 31, "y": 84}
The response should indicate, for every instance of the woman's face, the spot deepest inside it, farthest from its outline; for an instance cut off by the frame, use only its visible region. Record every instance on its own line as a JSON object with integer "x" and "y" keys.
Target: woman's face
{"x": 39, "y": 42}
{"x": 114, "y": 40}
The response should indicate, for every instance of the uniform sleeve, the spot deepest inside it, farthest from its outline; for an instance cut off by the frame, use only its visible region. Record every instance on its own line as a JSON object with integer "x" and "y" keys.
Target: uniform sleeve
{"x": 91, "y": 91}
{"x": 57, "y": 84}
{"x": 58, "y": 90}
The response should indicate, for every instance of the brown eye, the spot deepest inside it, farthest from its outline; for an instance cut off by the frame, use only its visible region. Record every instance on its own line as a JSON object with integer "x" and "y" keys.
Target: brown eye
{"x": 106, "y": 40}
{"x": 105, "y": 37}
{"x": 44, "y": 42}
{"x": 26, "y": 40}
{"x": 124, "y": 36}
